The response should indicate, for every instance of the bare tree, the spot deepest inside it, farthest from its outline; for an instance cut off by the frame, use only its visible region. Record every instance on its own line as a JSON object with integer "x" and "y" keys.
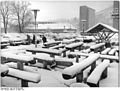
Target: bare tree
{"x": 5, "y": 13}
{"x": 22, "y": 14}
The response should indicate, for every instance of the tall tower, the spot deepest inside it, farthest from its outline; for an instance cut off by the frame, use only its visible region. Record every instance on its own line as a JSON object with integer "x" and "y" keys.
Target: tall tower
{"x": 86, "y": 18}
{"x": 116, "y": 14}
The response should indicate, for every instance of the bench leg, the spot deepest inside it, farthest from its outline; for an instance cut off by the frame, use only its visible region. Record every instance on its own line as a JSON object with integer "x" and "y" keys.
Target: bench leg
{"x": 93, "y": 65}
{"x": 77, "y": 58}
{"x": 33, "y": 52}
{"x": 104, "y": 74}
{"x": 72, "y": 50}
{"x": 44, "y": 65}
{"x": 24, "y": 83}
{"x": 93, "y": 85}
{"x": 79, "y": 77}
{"x": 64, "y": 54}
{"x": 51, "y": 55}
{"x": 20, "y": 65}
{"x": 3, "y": 60}
{"x": 79, "y": 48}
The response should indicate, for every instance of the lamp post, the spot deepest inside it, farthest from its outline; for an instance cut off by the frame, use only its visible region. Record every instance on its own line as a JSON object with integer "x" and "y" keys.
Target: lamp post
{"x": 83, "y": 24}
{"x": 35, "y": 16}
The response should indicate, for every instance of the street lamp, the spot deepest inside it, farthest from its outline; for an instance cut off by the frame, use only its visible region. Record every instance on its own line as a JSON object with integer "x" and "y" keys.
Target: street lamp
{"x": 35, "y": 16}
{"x": 83, "y": 24}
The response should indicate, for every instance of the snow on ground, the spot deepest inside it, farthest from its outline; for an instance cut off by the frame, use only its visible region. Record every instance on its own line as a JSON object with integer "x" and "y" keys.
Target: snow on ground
{"x": 54, "y": 77}
{"x": 112, "y": 79}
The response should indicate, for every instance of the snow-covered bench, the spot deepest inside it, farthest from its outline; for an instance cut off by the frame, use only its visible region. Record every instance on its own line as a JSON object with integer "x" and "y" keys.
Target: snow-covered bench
{"x": 45, "y": 60}
{"x": 50, "y": 44}
{"x": 24, "y": 76}
{"x": 25, "y": 68}
{"x": 104, "y": 52}
{"x": 78, "y": 68}
{"x": 77, "y": 55}
{"x": 112, "y": 51}
{"x": 3, "y": 69}
{"x": 98, "y": 47}
{"x": 64, "y": 61}
{"x": 58, "y": 46}
{"x": 100, "y": 72}
{"x": 110, "y": 57}
{"x": 68, "y": 41}
{"x": 74, "y": 45}
{"x": 60, "y": 61}
{"x": 87, "y": 50}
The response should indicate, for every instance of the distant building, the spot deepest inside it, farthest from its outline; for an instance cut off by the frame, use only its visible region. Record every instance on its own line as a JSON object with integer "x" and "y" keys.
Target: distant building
{"x": 104, "y": 16}
{"x": 109, "y": 16}
{"x": 52, "y": 27}
{"x": 86, "y": 18}
{"x": 115, "y": 14}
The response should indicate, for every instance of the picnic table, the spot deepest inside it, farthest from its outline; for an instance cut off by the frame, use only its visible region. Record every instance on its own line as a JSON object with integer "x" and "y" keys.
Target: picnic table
{"x": 50, "y": 44}
{"x": 74, "y": 45}
{"x": 52, "y": 52}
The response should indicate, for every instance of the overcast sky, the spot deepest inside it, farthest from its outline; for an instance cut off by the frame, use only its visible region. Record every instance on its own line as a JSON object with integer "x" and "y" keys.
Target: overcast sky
{"x": 52, "y": 10}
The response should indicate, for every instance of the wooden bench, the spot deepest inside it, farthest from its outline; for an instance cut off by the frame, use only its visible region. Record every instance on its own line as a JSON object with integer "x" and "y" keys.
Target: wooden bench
{"x": 25, "y": 68}
{"x": 87, "y": 50}
{"x": 68, "y": 41}
{"x": 58, "y": 46}
{"x": 77, "y": 54}
{"x": 45, "y": 60}
{"x": 100, "y": 72}
{"x": 24, "y": 76}
{"x": 78, "y": 68}
{"x": 98, "y": 47}
{"x": 60, "y": 61}
{"x": 72, "y": 46}
{"x": 3, "y": 69}
{"x": 112, "y": 51}
{"x": 104, "y": 52}
{"x": 52, "y": 52}
{"x": 64, "y": 61}
{"x": 50, "y": 44}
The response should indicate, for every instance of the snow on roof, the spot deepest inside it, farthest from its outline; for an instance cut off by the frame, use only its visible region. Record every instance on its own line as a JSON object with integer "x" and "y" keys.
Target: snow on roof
{"x": 100, "y": 26}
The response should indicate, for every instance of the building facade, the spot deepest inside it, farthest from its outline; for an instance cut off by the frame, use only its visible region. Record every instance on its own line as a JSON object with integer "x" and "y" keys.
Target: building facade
{"x": 115, "y": 14}
{"x": 86, "y": 18}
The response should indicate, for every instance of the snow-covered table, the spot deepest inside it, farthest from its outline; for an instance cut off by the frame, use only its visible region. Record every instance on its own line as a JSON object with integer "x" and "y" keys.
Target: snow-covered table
{"x": 52, "y": 52}
{"x": 20, "y": 59}
{"x": 98, "y": 47}
{"x": 58, "y": 46}
{"x": 74, "y": 45}
{"x": 50, "y": 44}
{"x": 68, "y": 41}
